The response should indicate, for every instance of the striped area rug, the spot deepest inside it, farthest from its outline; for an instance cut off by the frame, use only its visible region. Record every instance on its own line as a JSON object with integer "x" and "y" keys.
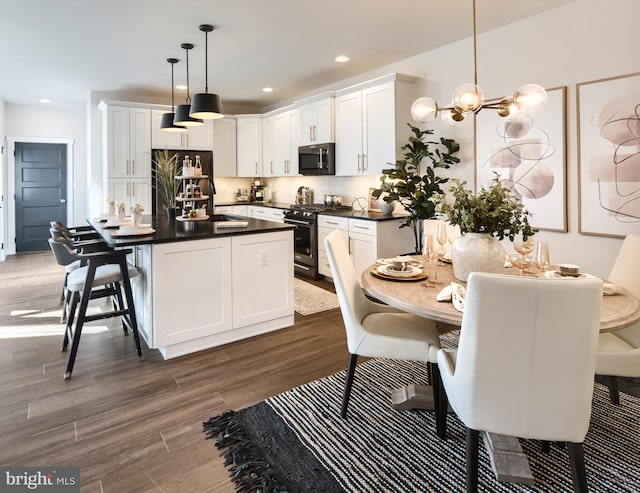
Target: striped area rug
{"x": 378, "y": 449}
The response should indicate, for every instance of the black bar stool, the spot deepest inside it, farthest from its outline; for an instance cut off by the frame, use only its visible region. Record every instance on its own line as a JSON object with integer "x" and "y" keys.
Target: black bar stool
{"x": 106, "y": 270}
{"x": 76, "y": 232}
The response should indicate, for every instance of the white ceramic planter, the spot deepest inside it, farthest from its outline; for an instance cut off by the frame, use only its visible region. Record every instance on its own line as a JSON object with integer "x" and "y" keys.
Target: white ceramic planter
{"x": 476, "y": 252}
{"x": 386, "y": 208}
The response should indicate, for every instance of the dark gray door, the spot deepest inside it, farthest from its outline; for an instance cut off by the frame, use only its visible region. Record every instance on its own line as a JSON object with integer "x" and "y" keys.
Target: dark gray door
{"x": 41, "y": 192}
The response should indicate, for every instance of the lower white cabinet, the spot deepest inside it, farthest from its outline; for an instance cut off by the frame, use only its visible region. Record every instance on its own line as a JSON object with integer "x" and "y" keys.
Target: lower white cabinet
{"x": 266, "y": 213}
{"x": 239, "y": 210}
{"x": 262, "y": 268}
{"x": 193, "y": 295}
{"x": 367, "y": 240}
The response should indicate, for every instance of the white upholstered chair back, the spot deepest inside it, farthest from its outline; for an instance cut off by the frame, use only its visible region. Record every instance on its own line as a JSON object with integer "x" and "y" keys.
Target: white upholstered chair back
{"x": 626, "y": 269}
{"x": 353, "y": 303}
{"x": 526, "y": 358}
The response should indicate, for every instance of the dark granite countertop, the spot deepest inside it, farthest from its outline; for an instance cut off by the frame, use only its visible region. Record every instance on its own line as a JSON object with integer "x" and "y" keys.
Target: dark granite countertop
{"x": 367, "y": 215}
{"x": 173, "y": 230}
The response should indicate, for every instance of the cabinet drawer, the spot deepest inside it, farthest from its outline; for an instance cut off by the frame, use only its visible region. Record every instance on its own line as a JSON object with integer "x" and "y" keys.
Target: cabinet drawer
{"x": 277, "y": 215}
{"x": 223, "y": 209}
{"x": 333, "y": 222}
{"x": 362, "y": 226}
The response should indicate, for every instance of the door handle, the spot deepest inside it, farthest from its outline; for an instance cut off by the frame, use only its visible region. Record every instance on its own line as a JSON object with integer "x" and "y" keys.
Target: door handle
{"x": 63, "y": 201}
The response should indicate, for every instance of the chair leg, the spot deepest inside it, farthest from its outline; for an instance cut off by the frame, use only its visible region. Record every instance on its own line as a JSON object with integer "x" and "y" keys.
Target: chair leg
{"x": 126, "y": 284}
{"x": 440, "y": 401}
{"x": 473, "y": 444}
{"x": 576, "y": 456}
{"x": 614, "y": 393}
{"x": 82, "y": 311}
{"x": 71, "y": 310}
{"x": 351, "y": 370}
{"x": 120, "y": 304}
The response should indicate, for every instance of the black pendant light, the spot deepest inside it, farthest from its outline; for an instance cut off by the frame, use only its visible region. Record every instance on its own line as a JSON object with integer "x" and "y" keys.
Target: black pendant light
{"x": 205, "y": 105}
{"x": 182, "y": 117}
{"x": 166, "y": 124}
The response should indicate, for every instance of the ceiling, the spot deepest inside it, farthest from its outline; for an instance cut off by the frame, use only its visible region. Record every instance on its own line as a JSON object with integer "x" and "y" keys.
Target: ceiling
{"x": 63, "y": 49}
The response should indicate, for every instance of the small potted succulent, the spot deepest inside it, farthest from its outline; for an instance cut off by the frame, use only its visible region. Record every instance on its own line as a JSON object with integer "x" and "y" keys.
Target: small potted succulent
{"x": 492, "y": 214}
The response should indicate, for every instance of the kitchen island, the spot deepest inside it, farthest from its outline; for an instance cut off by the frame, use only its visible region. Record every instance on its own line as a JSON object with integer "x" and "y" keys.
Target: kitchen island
{"x": 201, "y": 284}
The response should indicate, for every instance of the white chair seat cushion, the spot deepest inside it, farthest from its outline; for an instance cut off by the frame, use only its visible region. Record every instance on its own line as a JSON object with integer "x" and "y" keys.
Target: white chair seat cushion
{"x": 105, "y": 274}
{"x": 399, "y": 335}
{"x": 617, "y": 357}
{"x": 72, "y": 266}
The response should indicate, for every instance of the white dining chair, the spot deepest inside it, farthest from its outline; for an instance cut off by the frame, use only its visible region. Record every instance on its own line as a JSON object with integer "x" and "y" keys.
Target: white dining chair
{"x": 375, "y": 330}
{"x": 525, "y": 363}
{"x": 619, "y": 351}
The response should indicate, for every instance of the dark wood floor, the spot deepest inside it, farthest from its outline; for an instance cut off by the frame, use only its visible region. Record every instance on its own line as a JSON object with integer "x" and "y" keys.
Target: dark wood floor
{"x": 131, "y": 426}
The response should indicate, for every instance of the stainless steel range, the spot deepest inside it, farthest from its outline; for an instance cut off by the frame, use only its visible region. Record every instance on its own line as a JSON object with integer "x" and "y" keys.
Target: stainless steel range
{"x": 305, "y": 219}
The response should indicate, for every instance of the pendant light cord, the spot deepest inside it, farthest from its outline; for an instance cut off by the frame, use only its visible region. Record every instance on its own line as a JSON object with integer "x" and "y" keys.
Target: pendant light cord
{"x": 173, "y": 106}
{"x": 475, "y": 65}
{"x": 206, "y": 61}
{"x": 188, "y": 100}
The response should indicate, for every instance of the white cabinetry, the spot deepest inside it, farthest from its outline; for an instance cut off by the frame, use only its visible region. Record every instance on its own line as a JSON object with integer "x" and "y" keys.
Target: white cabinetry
{"x": 195, "y": 138}
{"x": 317, "y": 121}
{"x": 239, "y": 210}
{"x": 262, "y": 268}
{"x": 248, "y": 145}
{"x": 191, "y": 283}
{"x": 280, "y": 140}
{"x": 127, "y": 153}
{"x": 266, "y": 213}
{"x": 371, "y": 125}
{"x": 367, "y": 240}
{"x": 224, "y": 147}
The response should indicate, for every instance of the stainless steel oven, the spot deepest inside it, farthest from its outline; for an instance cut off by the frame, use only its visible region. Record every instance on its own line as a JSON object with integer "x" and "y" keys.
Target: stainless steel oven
{"x": 305, "y": 244}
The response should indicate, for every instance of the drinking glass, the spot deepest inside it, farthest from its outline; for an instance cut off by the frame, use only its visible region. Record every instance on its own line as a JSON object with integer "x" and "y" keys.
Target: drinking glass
{"x": 430, "y": 253}
{"x": 542, "y": 256}
{"x": 524, "y": 248}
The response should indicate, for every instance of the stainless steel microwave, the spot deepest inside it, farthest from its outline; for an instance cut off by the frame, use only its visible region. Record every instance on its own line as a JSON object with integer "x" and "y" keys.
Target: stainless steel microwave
{"x": 317, "y": 159}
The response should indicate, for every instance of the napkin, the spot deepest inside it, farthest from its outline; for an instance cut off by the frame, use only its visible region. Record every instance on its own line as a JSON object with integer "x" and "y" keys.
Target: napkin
{"x": 609, "y": 289}
{"x": 455, "y": 293}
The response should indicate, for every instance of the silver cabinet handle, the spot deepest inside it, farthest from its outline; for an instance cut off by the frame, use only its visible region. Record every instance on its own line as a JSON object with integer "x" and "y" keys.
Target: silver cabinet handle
{"x": 331, "y": 222}
{"x": 256, "y": 167}
{"x": 63, "y": 201}
{"x": 359, "y": 158}
{"x": 133, "y": 189}
{"x": 133, "y": 166}
{"x": 271, "y": 167}
{"x": 355, "y": 226}
{"x": 127, "y": 168}
{"x": 311, "y": 132}
{"x": 364, "y": 162}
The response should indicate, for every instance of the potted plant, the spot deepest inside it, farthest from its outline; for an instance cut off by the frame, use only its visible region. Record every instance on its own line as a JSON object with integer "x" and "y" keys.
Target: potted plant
{"x": 413, "y": 180}
{"x": 492, "y": 214}
{"x": 165, "y": 169}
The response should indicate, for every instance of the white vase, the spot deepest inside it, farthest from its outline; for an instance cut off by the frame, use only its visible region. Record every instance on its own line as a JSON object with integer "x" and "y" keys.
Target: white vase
{"x": 476, "y": 252}
{"x": 386, "y": 208}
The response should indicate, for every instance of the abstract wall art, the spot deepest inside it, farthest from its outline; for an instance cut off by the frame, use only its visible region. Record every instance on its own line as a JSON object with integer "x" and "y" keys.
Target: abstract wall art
{"x": 608, "y": 114}
{"x": 528, "y": 152}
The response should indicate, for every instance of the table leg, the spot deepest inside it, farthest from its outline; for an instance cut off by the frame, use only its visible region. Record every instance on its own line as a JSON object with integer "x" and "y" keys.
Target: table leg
{"x": 505, "y": 453}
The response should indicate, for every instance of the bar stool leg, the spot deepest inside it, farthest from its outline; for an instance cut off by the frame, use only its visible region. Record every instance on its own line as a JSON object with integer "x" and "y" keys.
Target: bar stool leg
{"x": 131, "y": 310}
{"x": 82, "y": 311}
{"x": 68, "y": 330}
{"x": 118, "y": 301}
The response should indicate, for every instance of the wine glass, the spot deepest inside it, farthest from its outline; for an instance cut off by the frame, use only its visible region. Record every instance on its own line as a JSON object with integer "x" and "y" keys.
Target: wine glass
{"x": 430, "y": 253}
{"x": 521, "y": 262}
{"x": 524, "y": 248}
{"x": 542, "y": 256}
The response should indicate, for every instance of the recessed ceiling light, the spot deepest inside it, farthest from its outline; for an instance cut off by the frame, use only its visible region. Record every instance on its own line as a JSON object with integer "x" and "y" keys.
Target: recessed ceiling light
{"x": 341, "y": 58}
{"x": 181, "y": 87}
{"x": 45, "y": 101}
{"x": 267, "y": 89}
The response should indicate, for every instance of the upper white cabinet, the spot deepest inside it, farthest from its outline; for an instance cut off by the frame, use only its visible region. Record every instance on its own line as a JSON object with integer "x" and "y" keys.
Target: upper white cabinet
{"x": 268, "y": 145}
{"x": 126, "y": 141}
{"x": 317, "y": 121}
{"x": 224, "y": 147}
{"x": 195, "y": 138}
{"x": 248, "y": 132}
{"x": 127, "y": 153}
{"x": 371, "y": 125}
{"x": 280, "y": 141}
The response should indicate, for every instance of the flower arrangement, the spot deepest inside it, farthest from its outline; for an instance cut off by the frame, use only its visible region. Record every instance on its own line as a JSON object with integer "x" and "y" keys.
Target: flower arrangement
{"x": 494, "y": 210}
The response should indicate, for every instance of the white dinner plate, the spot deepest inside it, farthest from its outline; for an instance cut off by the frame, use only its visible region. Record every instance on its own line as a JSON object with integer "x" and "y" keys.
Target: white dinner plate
{"x": 133, "y": 232}
{"x": 555, "y": 274}
{"x": 410, "y": 271}
{"x": 133, "y": 229}
{"x": 116, "y": 223}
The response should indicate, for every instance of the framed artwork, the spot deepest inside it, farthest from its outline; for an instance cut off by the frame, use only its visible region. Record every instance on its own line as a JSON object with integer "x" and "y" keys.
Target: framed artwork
{"x": 608, "y": 115}
{"x": 373, "y": 204}
{"x": 528, "y": 152}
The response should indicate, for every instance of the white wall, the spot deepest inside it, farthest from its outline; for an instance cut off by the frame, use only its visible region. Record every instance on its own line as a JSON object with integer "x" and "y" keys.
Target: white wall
{"x": 3, "y": 184}
{"x": 36, "y": 122}
{"x": 579, "y": 42}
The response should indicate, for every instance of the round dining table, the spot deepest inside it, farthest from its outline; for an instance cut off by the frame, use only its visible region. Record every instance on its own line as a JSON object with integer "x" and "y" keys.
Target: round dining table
{"x": 419, "y": 297}
{"x": 508, "y": 461}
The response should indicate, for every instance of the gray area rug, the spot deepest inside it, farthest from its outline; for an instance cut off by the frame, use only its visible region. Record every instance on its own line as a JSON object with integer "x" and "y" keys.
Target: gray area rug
{"x": 311, "y": 299}
{"x": 378, "y": 449}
